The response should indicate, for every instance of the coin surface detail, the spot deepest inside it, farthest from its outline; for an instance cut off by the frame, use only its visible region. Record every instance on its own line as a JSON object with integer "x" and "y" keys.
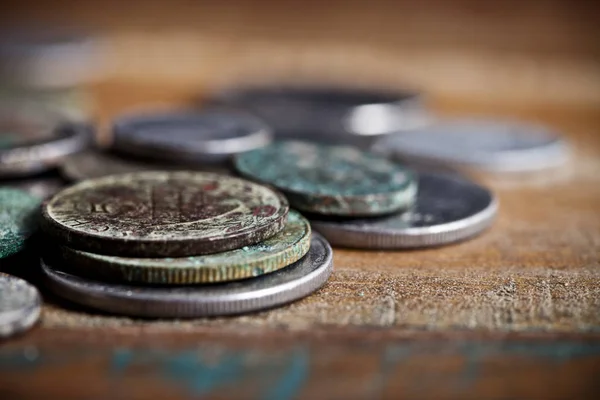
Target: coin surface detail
{"x": 274, "y": 253}
{"x": 448, "y": 209}
{"x": 164, "y": 214}
{"x": 331, "y": 180}
{"x": 283, "y": 286}
{"x": 20, "y": 305}
{"x": 19, "y": 212}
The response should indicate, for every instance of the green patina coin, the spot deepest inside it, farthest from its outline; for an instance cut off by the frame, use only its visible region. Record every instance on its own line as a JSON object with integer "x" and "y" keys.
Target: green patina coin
{"x": 18, "y": 219}
{"x": 275, "y": 253}
{"x": 164, "y": 214}
{"x": 331, "y": 180}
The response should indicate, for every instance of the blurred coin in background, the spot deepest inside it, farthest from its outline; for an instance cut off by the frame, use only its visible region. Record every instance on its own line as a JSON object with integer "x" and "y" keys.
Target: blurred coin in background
{"x": 188, "y": 136}
{"x": 480, "y": 144}
{"x": 331, "y": 115}
{"x": 20, "y": 305}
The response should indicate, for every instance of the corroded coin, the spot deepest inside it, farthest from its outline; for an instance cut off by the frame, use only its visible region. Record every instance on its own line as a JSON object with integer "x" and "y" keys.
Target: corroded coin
{"x": 331, "y": 180}
{"x": 19, "y": 212}
{"x": 489, "y": 145}
{"x": 96, "y": 164}
{"x": 209, "y": 135}
{"x": 20, "y": 305}
{"x": 35, "y": 139}
{"x": 164, "y": 214}
{"x": 448, "y": 209}
{"x": 274, "y": 253}
{"x": 283, "y": 286}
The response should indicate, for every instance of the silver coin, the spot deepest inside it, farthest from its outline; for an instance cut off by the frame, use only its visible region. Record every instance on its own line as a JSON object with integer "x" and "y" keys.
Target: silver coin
{"x": 189, "y": 136}
{"x": 20, "y": 305}
{"x": 283, "y": 286}
{"x": 96, "y": 164}
{"x": 448, "y": 209}
{"x": 500, "y": 146}
{"x": 329, "y": 114}
{"x": 33, "y": 140}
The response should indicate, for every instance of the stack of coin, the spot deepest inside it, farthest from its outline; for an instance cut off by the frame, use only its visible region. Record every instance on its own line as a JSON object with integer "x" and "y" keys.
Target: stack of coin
{"x": 171, "y": 139}
{"x": 328, "y": 114}
{"x": 179, "y": 244}
{"x": 362, "y": 200}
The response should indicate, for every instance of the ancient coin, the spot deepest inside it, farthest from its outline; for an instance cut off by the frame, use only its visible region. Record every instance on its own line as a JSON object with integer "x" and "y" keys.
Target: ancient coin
{"x": 96, "y": 164}
{"x": 283, "y": 286}
{"x": 34, "y": 139}
{"x": 164, "y": 214}
{"x": 274, "y": 253}
{"x": 19, "y": 212}
{"x": 331, "y": 180}
{"x": 500, "y": 146}
{"x": 193, "y": 136}
{"x": 20, "y": 305}
{"x": 448, "y": 209}
{"x": 332, "y": 115}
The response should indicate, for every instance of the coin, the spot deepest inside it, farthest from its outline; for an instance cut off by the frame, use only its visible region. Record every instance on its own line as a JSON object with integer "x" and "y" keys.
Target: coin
{"x": 500, "y": 146}
{"x": 18, "y": 219}
{"x": 96, "y": 164}
{"x": 272, "y": 254}
{"x": 331, "y": 115}
{"x": 283, "y": 286}
{"x": 20, "y": 305}
{"x": 448, "y": 209}
{"x": 35, "y": 139}
{"x": 331, "y": 180}
{"x": 191, "y": 136}
{"x": 164, "y": 214}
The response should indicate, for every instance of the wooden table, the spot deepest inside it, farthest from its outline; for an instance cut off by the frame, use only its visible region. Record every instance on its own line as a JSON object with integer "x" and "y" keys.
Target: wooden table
{"x": 514, "y": 313}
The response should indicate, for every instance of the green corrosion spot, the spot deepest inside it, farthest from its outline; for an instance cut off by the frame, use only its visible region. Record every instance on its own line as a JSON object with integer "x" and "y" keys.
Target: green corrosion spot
{"x": 18, "y": 220}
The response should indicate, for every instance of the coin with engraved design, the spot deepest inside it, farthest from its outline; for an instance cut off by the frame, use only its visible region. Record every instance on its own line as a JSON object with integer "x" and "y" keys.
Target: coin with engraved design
{"x": 163, "y": 214}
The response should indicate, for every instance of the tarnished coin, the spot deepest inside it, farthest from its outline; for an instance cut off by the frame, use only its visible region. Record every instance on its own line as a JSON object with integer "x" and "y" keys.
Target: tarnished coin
{"x": 210, "y": 135}
{"x": 20, "y": 305}
{"x": 482, "y": 144}
{"x": 331, "y": 115}
{"x": 274, "y": 253}
{"x": 283, "y": 286}
{"x": 34, "y": 139}
{"x": 164, "y": 214}
{"x": 19, "y": 212}
{"x": 96, "y": 164}
{"x": 448, "y": 209}
{"x": 331, "y": 180}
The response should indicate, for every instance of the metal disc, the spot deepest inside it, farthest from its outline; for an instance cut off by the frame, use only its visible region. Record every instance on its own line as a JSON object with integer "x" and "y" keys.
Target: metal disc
{"x": 192, "y": 136}
{"x": 331, "y": 180}
{"x": 331, "y": 115}
{"x": 35, "y": 139}
{"x": 448, "y": 209}
{"x": 274, "y": 253}
{"x": 288, "y": 284}
{"x": 483, "y": 144}
{"x": 164, "y": 214}
{"x": 96, "y": 164}
{"x": 20, "y": 305}
{"x": 18, "y": 219}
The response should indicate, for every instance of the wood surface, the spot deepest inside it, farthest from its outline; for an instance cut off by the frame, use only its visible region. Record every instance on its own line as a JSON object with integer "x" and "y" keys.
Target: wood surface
{"x": 513, "y": 313}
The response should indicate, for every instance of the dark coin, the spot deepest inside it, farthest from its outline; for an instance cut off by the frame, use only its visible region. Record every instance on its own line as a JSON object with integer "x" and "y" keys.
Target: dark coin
{"x": 331, "y": 180}
{"x": 192, "y": 136}
{"x": 96, "y": 164}
{"x": 164, "y": 214}
{"x": 448, "y": 209}
{"x": 20, "y": 305}
{"x": 331, "y": 115}
{"x": 274, "y": 253}
{"x": 33, "y": 140}
{"x": 288, "y": 284}
{"x": 19, "y": 212}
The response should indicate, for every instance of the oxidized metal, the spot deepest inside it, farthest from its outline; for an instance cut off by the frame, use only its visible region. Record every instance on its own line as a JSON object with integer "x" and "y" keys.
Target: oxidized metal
{"x": 19, "y": 212}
